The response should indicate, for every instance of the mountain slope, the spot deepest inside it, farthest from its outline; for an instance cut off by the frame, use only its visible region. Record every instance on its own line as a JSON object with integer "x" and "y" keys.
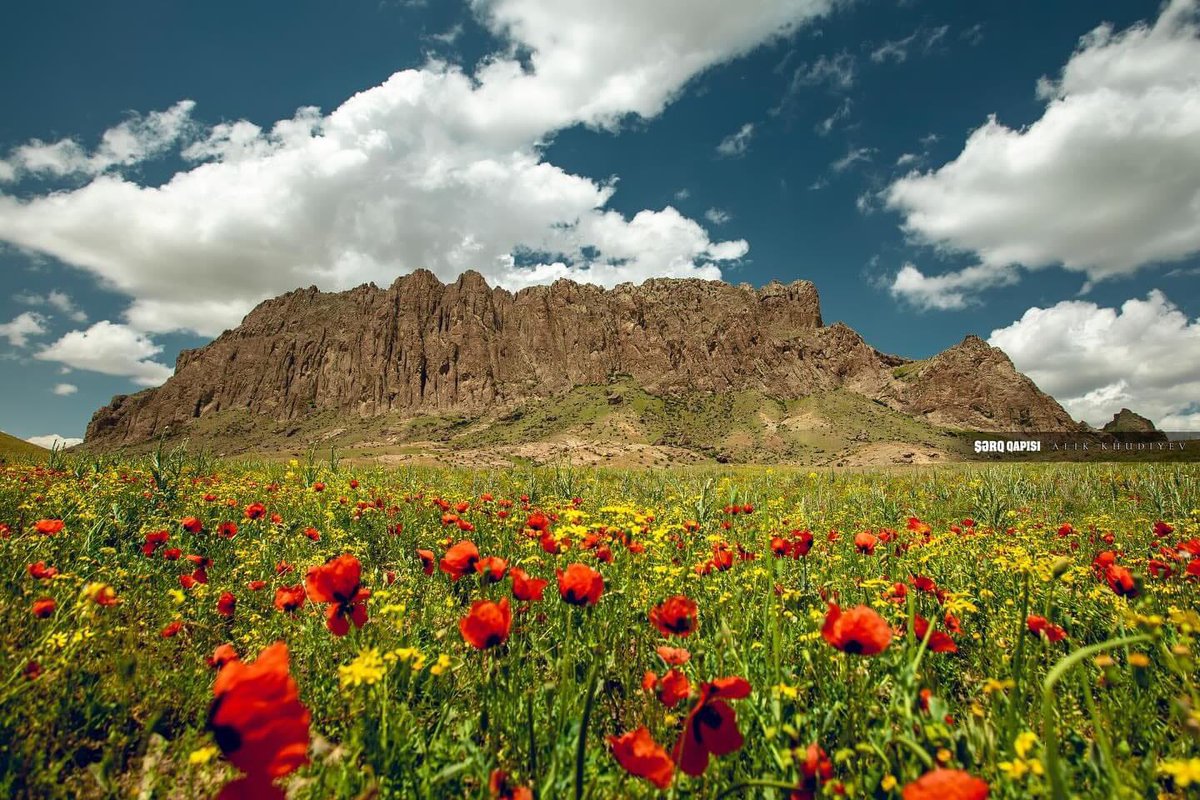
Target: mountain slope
{"x": 465, "y": 351}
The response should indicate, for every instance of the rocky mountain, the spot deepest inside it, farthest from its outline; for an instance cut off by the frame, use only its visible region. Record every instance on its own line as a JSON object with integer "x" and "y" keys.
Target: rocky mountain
{"x": 421, "y": 349}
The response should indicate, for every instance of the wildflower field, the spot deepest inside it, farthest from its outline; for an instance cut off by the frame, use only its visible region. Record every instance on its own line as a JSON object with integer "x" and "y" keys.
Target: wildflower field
{"x": 178, "y": 627}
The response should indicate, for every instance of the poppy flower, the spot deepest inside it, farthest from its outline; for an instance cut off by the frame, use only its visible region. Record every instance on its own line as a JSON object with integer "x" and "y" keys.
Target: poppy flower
{"x": 537, "y": 521}
{"x": 526, "y": 588}
{"x": 1121, "y": 581}
{"x": 1043, "y": 626}
{"x": 226, "y": 604}
{"x": 487, "y": 624}
{"x": 41, "y": 572}
{"x": 460, "y": 560}
{"x": 428, "y": 559}
{"x": 257, "y": 719}
{"x": 222, "y": 655}
{"x": 104, "y": 595}
{"x": 172, "y": 554}
{"x": 492, "y": 568}
{"x": 860, "y": 631}
{"x": 502, "y": 789}
{"x": 639, "y": 755}
{"x": 289, "y": 598}
{"x": 338, "y": 583}
{"x": 32, "y": 671}
{"x": 227, "y": 530}
{"x": 580, "y": 585}
{"x": 780, "y": 547}
{"x": 1162, "y": 529}
{"x": 865, "y": 541}
{"x": 313, "y": 534}
{"x": 670, "y": 688}
{"x": 171, "y": 629}
{"x": 255, "y": 586}
{"x": 815, "y": 769}
{"x": 939, "y": 642}
{"x": 802, "y": 543}
{"x": 675, "y": 616}
{"x": 49, "y": 527}
{"x": 44, "y": 607}
{"x": 711, "y": 727}
{"x": 256, "y": 511}
{"x": 153, "y": 540}
{"x": 673, "y": 656}
{"x": 946, "y": 784}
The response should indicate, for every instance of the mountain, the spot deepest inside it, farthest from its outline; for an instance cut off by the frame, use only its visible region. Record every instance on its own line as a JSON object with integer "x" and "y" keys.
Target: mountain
{"x": 691, "y": 369}
{"x": 14, "y": 449}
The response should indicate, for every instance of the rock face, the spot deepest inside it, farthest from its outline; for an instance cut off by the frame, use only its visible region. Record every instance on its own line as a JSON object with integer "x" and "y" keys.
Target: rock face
{"x": 422, "y": 347}
{"x": 1126, "y": 421}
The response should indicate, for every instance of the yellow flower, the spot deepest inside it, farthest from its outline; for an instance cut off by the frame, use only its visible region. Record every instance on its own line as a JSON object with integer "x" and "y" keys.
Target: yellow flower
{"x": 443, "y": 664}
{"x": 367, "y": 668}
{"x": 1183, "y": 773}
{"x": 203, "y": 755}
{"x": 1024, "y": 743}
{"x": 888, "y": 783}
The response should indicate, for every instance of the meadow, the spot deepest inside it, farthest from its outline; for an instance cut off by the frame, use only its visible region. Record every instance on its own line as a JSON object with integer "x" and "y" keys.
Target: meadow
{"x": 181, "y": 627}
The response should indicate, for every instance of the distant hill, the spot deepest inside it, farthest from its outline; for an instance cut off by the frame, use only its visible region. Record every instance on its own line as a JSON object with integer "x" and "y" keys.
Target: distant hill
{"x": 666, "y": 372}
{"x": 14, "y": 449}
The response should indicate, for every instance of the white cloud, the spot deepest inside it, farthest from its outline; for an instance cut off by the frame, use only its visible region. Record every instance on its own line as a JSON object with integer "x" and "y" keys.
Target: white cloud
{"x": 736, "y": 143}
{"x": 825, "y": 126}
{"x": 435, "y": 167}
{"x": 111, "y": 349}
{"x": 1106, "y": 182}
{"x": 1144, "y": 356}
{"x": 132, "y": 141}
{"x": 60, "y": 301}
{"x": 951, "y": 291}
{"x": 22, "y": 327}
{"x": 65, "y": 389}
{"x": 907, "y": 158}
{"x": 836, "y": 72}
{"x": 897, "y": 50}
{"x": 717, "y": 216}
{"x": 52, "y": 440}
{"x": 682, "y": 194}
{"x": 852, "y": 157}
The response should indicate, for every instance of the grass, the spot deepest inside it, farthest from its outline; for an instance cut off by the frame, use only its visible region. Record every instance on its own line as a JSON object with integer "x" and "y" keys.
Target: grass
{"x": 404, "y": 707}
{"x": 13, "y": 449}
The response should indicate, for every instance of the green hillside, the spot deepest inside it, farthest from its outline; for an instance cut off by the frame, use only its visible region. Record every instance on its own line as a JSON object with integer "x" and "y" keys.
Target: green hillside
{"x": 14, "y": 449}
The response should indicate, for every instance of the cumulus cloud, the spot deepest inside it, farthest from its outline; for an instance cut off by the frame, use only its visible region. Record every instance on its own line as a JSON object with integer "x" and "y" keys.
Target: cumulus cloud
{"x": 736, "y": 143}
{"x": 52, "y": 440}
{"x": 436, "y": 167}
{"x": 1106, "y": 182}
{"x": 134, "y": 140}
{"x": 111, "y": 349}
{"x": 65, "y": 389}
{"x": 1144, "y": 356}
{"x": 951, "y": 291}
{"x": 22, "y": 327}
{"x": 60, "y": 301}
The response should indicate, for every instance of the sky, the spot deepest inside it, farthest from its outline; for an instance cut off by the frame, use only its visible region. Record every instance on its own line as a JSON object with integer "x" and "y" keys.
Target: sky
{"x": 1024, "y": 171}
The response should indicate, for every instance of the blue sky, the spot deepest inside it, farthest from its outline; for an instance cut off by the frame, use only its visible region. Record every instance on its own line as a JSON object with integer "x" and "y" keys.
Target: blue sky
{"x": 1012, "y": 170}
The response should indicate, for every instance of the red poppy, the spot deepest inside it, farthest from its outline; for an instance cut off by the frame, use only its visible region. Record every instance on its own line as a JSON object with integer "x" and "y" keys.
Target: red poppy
{"x": 946, "y": 784}
{"x": 257, "y": 719}
{"x": 526, "y": 588}
{"x": 1121, "y": 581}
{"x": 172, "y": 554}
{"x": 256, "y": 511}
{"x": 1043, "y": 626}
{"x": 105, "y": 596}
{"x": 222, "y": 655}
{"x": 40, "y": 571}
{"x": 226, "y": 604}
{"x": 32, "y": 671}
{"x": 865, "y": 541}
{"x": 711, "y": 727}
{"x": 580, "y": 585}
{"x": 428, "y": 559}
{"x": 289, "y": 598}
{"x": 537, "y": 521}
{"x": 815, "y": 770}
{"x": 780, "y": 547}
{"x": 153, "y": 540}
{"x": 487, "y": 624}
{"x": 1162, "y": 529}
{"x": 313, "y": 534}
{"x": 802, "y": 544}
{"x": 673, "y": 656}
{"x": 502, "y": 789}
{"x": 191, "y": 524}
{"x": 255, "y": 586}
{"x": 670, "y": 688}
{"x": 44, "y": 607}
{"x": 492, "y": 568}
{"x": 338, "y": 583}
{"x": 227, "y": 530}
{"x": 675, "y": 616}
{"x": 859, "y": 631}
{"x": 49, "y": 527}
{"x": 939, "y": 642}
{"x": 460, "y": 560}
{"x": 171, "y": 629}
{"x": 639, "y": 755}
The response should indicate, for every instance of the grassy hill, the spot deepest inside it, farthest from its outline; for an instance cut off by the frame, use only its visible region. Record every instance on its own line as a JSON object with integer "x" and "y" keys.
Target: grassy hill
{"x": 14, "y": 449}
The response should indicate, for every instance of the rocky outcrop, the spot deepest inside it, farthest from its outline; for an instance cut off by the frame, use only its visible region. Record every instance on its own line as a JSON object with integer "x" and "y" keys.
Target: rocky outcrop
{"x": 420, "y": 347}
{"x": 1131, "y": 426}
